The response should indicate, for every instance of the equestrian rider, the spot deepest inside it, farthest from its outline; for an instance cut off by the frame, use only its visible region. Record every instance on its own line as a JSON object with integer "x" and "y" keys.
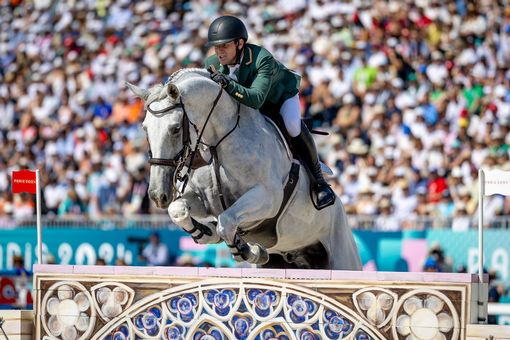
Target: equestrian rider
{"x": 251, "y": 75}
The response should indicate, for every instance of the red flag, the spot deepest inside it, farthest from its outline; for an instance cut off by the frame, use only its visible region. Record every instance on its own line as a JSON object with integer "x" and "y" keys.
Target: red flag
{"x": 23, "y": 181}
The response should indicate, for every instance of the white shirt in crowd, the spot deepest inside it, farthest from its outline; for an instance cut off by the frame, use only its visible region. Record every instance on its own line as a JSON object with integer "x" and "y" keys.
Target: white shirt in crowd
{"x": 156, "y": 255}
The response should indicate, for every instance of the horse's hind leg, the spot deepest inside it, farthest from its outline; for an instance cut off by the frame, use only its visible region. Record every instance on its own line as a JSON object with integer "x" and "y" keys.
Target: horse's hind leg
{"x": 278, "y": 261}
{"x": 314, "y": 256}
{"x": 180, "y": 213}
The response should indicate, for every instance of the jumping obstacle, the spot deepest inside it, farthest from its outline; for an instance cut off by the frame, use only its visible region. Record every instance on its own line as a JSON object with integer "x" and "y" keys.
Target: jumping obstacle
{"x": 107, "y": 302}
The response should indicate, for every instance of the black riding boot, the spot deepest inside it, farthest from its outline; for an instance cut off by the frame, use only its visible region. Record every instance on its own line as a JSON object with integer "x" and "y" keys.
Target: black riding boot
{"x": 304, "y": 145}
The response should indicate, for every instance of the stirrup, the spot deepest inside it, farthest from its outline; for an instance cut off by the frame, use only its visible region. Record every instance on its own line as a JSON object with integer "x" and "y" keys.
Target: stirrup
{"x": 327, "y": 201}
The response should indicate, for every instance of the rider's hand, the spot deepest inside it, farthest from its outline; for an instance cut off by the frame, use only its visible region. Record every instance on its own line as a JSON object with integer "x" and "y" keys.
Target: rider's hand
{"x": 221, "y": 78}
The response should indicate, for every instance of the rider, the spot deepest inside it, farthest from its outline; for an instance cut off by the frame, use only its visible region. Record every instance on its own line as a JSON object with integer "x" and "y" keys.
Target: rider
{"x": 251, "y": 75}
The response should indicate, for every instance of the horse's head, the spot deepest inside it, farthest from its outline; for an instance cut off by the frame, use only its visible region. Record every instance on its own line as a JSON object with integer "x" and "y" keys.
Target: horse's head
{"x": 167, "y": 125}
{"x": 163, "y": 125}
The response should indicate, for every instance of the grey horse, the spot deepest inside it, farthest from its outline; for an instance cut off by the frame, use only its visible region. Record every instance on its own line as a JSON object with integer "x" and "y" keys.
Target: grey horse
{"x": 241, "y": 185}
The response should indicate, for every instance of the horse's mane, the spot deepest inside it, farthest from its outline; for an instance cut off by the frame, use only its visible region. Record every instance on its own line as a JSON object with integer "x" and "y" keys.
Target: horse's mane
{"x": 158, "y": 92}
{"x": 185, "y": 71}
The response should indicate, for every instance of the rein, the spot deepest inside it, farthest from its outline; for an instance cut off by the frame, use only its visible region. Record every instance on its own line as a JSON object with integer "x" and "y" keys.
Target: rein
{"x": 214, "y": 153}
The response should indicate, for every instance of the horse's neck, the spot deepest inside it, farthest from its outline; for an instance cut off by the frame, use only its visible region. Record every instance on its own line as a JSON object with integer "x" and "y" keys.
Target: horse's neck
{"x": 221, "y": 121}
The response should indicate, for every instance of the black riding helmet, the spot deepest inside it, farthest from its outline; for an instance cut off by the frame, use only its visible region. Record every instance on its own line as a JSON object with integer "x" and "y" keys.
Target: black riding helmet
{"x": 226, "y": 29}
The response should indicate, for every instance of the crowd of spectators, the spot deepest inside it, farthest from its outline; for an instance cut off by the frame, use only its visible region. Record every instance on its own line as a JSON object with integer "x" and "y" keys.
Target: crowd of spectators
{"x": 415, "y": 95}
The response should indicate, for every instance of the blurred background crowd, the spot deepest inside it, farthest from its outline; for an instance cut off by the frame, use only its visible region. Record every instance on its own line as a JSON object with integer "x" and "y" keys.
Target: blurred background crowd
{"x": 415, "y": 95}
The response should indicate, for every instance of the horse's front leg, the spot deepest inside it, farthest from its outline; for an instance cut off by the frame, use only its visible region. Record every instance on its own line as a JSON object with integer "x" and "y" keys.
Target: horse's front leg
{"x": 256, "y": 204}
{"x": 185, "y": 211}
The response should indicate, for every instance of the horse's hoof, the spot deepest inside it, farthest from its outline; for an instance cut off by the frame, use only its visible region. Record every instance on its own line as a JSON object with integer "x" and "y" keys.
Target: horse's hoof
{"x": 260, "y": 255}
{"x": 251, "y": 253}
{"x": 178, "y": 211}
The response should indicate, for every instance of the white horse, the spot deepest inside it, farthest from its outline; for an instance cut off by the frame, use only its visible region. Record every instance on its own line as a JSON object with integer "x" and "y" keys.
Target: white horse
{"x": 243, "y": 183}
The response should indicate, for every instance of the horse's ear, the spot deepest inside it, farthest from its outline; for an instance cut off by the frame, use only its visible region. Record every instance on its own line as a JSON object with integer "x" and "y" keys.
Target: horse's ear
{"x": 173, "y": 91}
{"x": 139, "y": 92}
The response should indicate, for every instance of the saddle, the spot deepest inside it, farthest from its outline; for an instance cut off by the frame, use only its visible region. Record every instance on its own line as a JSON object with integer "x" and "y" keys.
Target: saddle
{"x": 277, "y": 121}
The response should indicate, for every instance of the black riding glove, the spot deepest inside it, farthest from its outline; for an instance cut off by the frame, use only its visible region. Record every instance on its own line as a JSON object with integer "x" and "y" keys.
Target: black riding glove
{"x": 221, "y": 78}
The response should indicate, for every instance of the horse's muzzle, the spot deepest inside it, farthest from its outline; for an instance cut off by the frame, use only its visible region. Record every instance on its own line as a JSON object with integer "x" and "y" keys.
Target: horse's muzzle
{"x": 161, "y": 200}
{"x": 160, "y": 186}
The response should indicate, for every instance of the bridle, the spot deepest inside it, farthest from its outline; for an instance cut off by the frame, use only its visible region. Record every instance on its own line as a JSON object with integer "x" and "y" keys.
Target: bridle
{"x": 186, "y": 141}
{"x": 186, "y": 156}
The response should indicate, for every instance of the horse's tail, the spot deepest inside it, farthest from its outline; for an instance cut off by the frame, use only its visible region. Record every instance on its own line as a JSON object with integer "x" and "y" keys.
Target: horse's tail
{"x": 342, "y": 249}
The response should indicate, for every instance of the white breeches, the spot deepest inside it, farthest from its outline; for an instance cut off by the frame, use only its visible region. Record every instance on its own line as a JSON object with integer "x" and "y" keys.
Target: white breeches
{"x": 291, "y": 114}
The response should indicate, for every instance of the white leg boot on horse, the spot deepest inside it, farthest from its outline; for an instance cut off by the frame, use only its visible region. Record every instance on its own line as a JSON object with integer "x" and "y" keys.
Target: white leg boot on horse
{"x": 179, "y": 211}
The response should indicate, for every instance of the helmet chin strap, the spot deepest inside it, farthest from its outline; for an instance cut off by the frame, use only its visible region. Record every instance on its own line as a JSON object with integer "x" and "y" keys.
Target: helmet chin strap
{"x": 239, "y": 52}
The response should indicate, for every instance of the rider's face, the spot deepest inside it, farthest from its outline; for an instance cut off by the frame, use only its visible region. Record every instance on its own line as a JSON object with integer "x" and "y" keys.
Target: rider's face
{"x": 227, "y": 52}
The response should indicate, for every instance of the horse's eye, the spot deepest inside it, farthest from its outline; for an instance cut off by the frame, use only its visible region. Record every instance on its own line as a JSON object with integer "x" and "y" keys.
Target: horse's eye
{"x": 175, "y": 130}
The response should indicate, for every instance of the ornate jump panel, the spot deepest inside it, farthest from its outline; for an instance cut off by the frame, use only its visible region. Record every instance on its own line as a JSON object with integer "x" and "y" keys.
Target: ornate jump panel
{"x": 91, "y": 306}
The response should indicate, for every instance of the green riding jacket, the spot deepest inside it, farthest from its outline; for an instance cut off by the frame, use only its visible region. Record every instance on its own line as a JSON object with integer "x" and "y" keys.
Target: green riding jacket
{"x": 263, "y": 82}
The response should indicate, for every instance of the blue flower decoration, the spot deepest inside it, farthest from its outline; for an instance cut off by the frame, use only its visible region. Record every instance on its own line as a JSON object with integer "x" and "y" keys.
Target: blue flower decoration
{"x": 275, "y": 332}
{"x": 174, "y": 332}
{"x": 208, "y": 331}
{"x": 306, "y": 334}
{"x": 363, "y": 336}
{"x": 120, "y": 333}
{"x": 241, "y": 324}
{"x": 221, "y": 301}
{"x": 335, "y": 326}
{"x": 149, "y": 322}
{"x": 301, "y": 309}
{"x": 263, "y": 301}
{"x": 184, "y": 306}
